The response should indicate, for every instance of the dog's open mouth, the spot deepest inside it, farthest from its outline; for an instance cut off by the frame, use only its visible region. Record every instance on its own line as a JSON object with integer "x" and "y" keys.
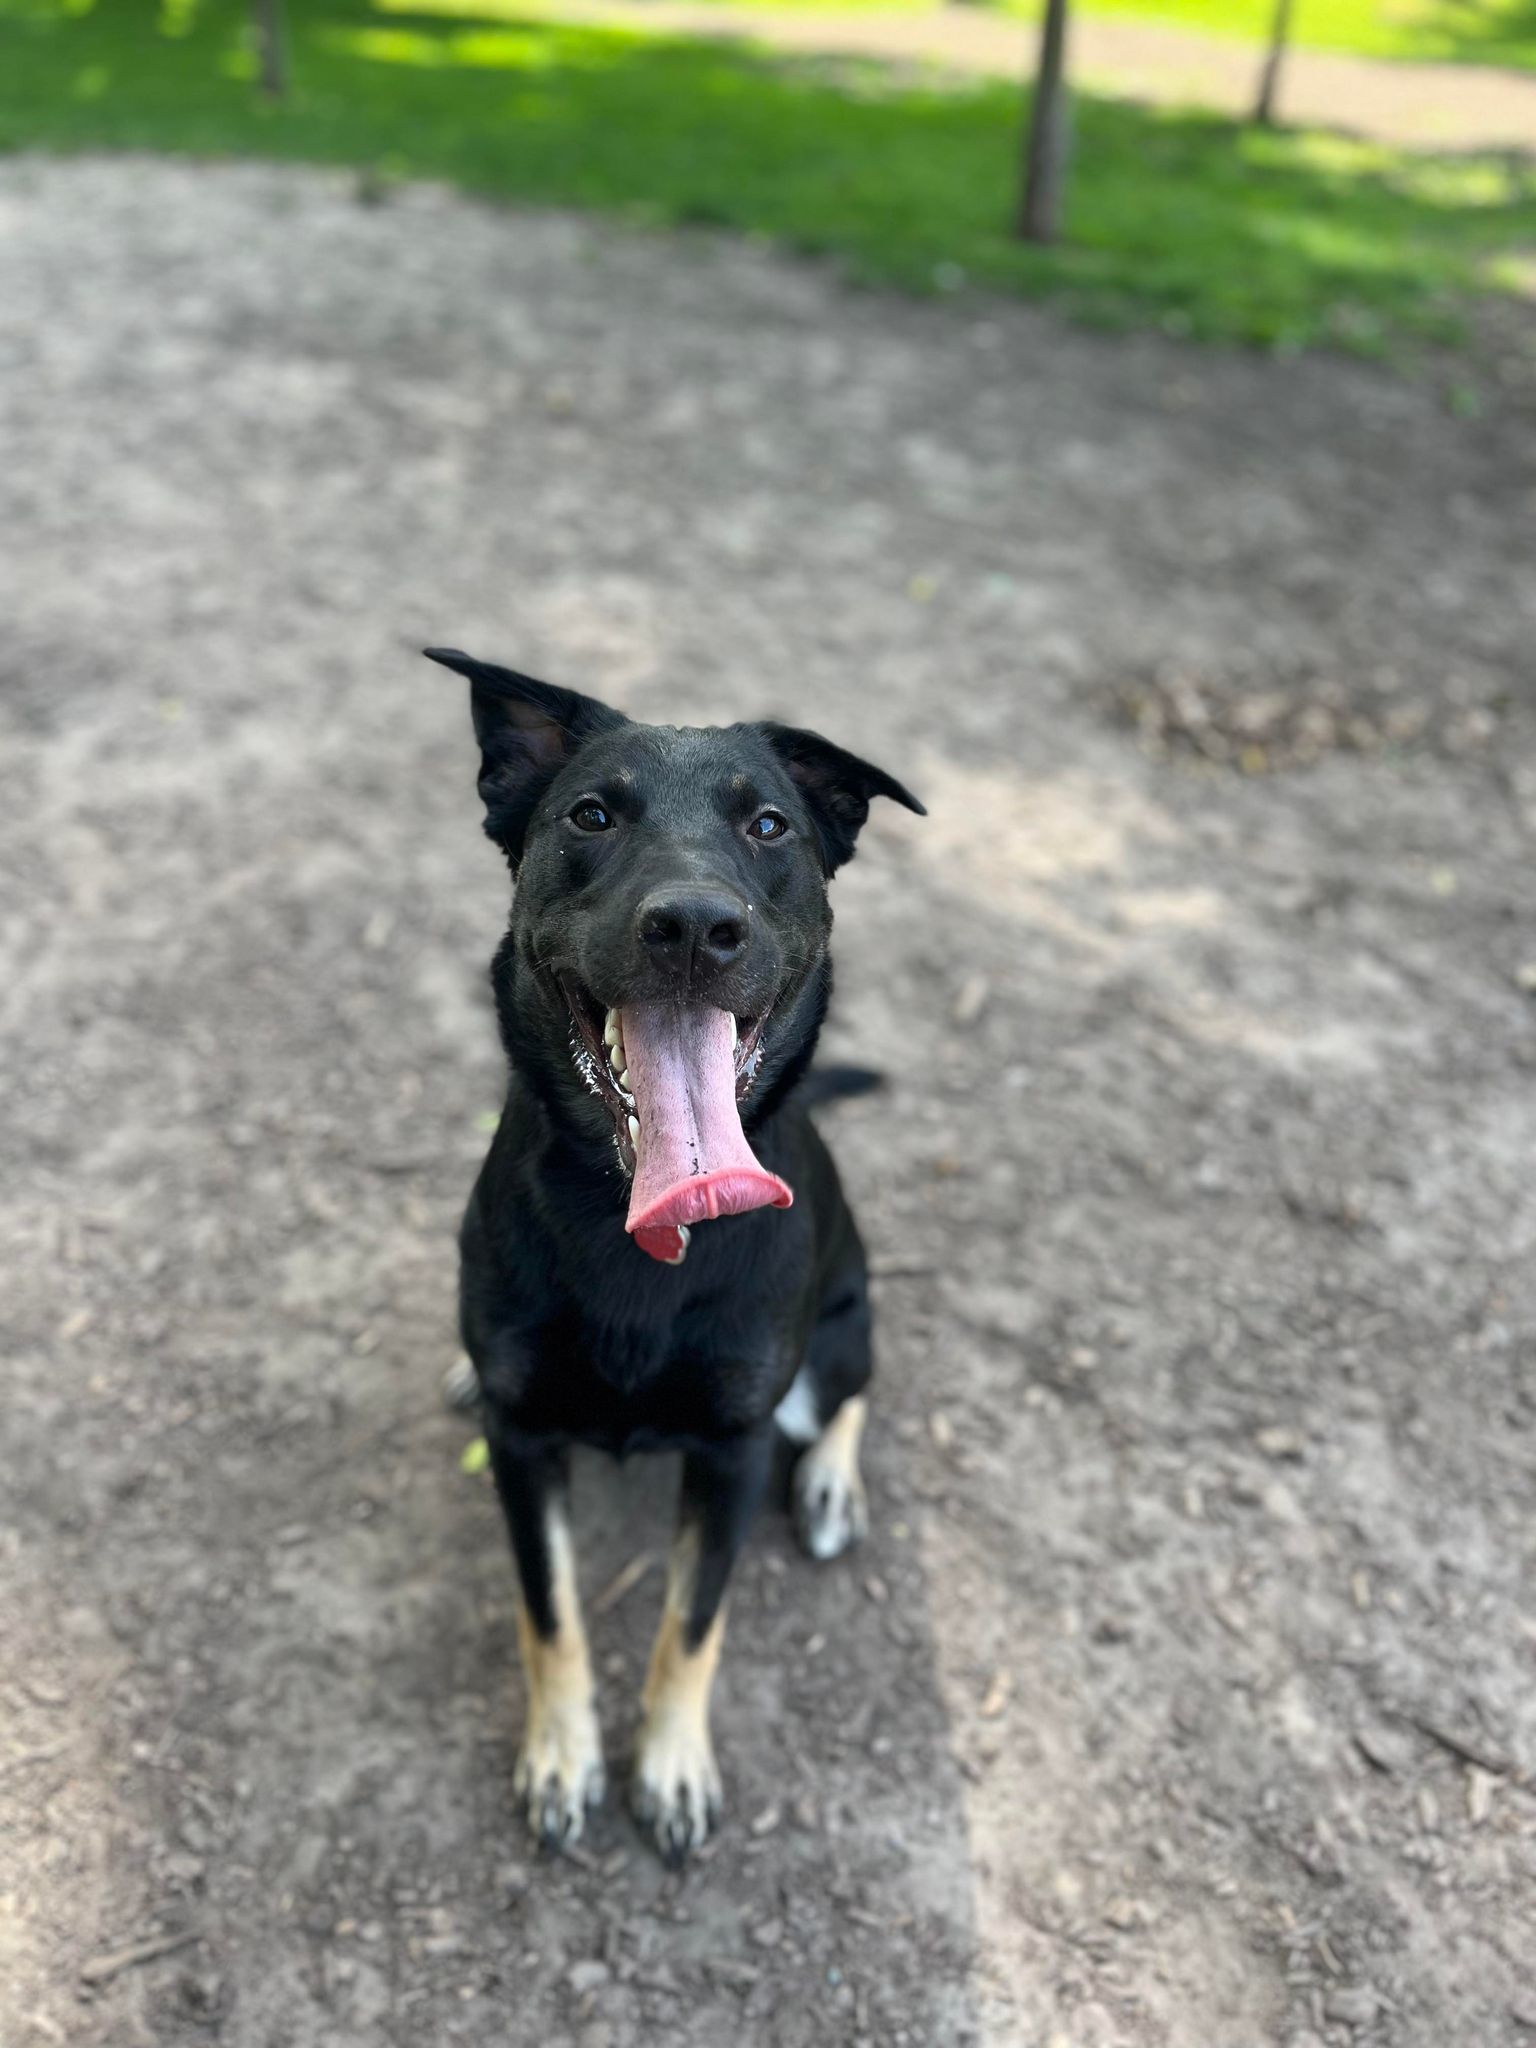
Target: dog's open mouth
{"x": 673, "y": 1076}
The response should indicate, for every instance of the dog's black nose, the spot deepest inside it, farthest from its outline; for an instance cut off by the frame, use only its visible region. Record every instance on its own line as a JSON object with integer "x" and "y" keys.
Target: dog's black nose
{"x": 693, "y": 933}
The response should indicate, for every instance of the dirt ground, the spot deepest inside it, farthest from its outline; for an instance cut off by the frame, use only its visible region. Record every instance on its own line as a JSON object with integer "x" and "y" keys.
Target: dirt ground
{"x": 1185, "y": 1693}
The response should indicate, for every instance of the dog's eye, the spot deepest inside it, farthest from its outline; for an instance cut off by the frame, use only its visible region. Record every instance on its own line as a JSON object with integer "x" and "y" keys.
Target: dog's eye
{"x": 591, "y": 817}
{"x": 768, "y": 825}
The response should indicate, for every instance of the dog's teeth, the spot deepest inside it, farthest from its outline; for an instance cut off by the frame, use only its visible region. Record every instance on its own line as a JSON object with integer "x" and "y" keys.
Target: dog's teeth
{"x": 611, "y": 1028}
{"x": 634, "y": 1128}
{"x": 735, "y": 1033}
{"x": 616, "y": 1058}
{"x": 624, "y": 1081}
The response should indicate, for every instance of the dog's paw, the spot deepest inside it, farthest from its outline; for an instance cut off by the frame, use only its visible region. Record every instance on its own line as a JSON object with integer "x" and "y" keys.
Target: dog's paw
{"x": 831, "y": 1512}
{"x": 676, "y": 1793}
{"x": 461, "y": 1384}
{"x": 560, "y": 1774}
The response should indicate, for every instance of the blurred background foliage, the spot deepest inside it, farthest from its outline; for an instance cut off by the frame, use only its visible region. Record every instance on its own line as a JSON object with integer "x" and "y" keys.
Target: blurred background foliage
{"x": 1192, "y": 222}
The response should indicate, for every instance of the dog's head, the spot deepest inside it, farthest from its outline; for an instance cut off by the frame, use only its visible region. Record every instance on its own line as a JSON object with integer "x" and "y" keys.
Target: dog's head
{"x": 668, "y": 942}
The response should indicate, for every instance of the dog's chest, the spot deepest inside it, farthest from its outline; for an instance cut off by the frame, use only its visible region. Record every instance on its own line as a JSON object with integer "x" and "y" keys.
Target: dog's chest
{"x": 625, "y": 1391}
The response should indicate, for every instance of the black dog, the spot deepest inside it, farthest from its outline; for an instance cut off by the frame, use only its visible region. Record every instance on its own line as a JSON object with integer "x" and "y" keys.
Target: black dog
{"x": 660, "y": 990}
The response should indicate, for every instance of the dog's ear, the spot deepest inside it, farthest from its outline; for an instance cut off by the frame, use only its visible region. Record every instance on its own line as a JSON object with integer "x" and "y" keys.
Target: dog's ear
{"x": 527, "y": 732}
{"x": 836, "y": 785}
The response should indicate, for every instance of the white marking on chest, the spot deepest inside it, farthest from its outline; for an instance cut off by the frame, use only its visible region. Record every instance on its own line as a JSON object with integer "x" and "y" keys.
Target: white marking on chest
{"x": 796, "y": 1414}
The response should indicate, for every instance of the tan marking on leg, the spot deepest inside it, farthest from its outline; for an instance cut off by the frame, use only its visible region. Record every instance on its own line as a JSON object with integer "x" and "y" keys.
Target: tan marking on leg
{"x": 560, "y": 1767}
{"x": 677, "y": 1784}
{"x": 830, "y": 1508}
{"x": 839, "y": 1442}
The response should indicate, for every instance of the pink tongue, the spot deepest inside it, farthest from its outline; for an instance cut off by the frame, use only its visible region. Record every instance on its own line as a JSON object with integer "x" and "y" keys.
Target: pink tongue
{"x": 692, "y": 1158}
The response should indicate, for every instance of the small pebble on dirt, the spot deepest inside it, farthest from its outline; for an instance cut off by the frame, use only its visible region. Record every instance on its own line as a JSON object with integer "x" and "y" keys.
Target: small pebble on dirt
{"x": 1279, "y": 1443}
{"x": 1353, "y": 2005}
{"x": 1127, "y": 1915}
{"x": 971, "y": 1000}
{"x": 1387, "y": 1749}
{"x": 201, "y": 1994}
{"x": 1480, "y": 1786}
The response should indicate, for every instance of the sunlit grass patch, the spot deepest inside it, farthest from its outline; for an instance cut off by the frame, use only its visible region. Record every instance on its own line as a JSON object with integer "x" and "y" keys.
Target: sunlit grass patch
{"x": 510, "y": 49}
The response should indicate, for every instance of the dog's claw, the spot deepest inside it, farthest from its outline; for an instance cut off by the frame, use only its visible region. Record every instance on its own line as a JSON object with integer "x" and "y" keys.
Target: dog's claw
{"x": 557, "y": 1815}
{"x": 677, "y": 1801}
{"x": 461, "y": 1384}
{"x": 557, "y": 1781}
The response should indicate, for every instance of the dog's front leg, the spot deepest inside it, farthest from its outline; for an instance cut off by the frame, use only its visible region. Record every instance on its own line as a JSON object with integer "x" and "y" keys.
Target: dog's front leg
{"x": 560, "y": 1765}
{"x": 676, "y": 1784}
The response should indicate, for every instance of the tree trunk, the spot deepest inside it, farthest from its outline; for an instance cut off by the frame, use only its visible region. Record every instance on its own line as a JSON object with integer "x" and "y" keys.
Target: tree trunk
{"x": 1045, "y": 162}
{"x": 1269, "y": 82}
{"x": 269, "y": 43}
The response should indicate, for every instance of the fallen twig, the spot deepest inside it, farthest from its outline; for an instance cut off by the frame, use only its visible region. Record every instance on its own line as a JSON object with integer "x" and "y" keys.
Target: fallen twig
{"x": 1467, "y": 1752}
{"x": 625, "y": 1582}
{"x": 103, "y": 1968}
{"x": 31, "y": 1756}
{"x": 733, "y": 1972}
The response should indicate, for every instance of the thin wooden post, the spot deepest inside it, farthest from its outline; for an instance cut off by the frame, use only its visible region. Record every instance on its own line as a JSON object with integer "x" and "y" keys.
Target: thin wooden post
{"x": 270, "y": 44}
{"x": 1046, "y": 149}
{"x": 1269, "y": 81}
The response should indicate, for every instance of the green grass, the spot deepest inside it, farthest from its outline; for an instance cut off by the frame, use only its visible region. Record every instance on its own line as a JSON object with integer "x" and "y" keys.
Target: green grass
{"x": 1278, "y": 239}
{"x": 1443, "y": 31}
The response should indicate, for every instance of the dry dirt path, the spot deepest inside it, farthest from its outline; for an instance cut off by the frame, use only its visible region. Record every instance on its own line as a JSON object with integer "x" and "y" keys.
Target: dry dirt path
{"x": 1183, "y": 1696}
{"x": 1420, "y": 106}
